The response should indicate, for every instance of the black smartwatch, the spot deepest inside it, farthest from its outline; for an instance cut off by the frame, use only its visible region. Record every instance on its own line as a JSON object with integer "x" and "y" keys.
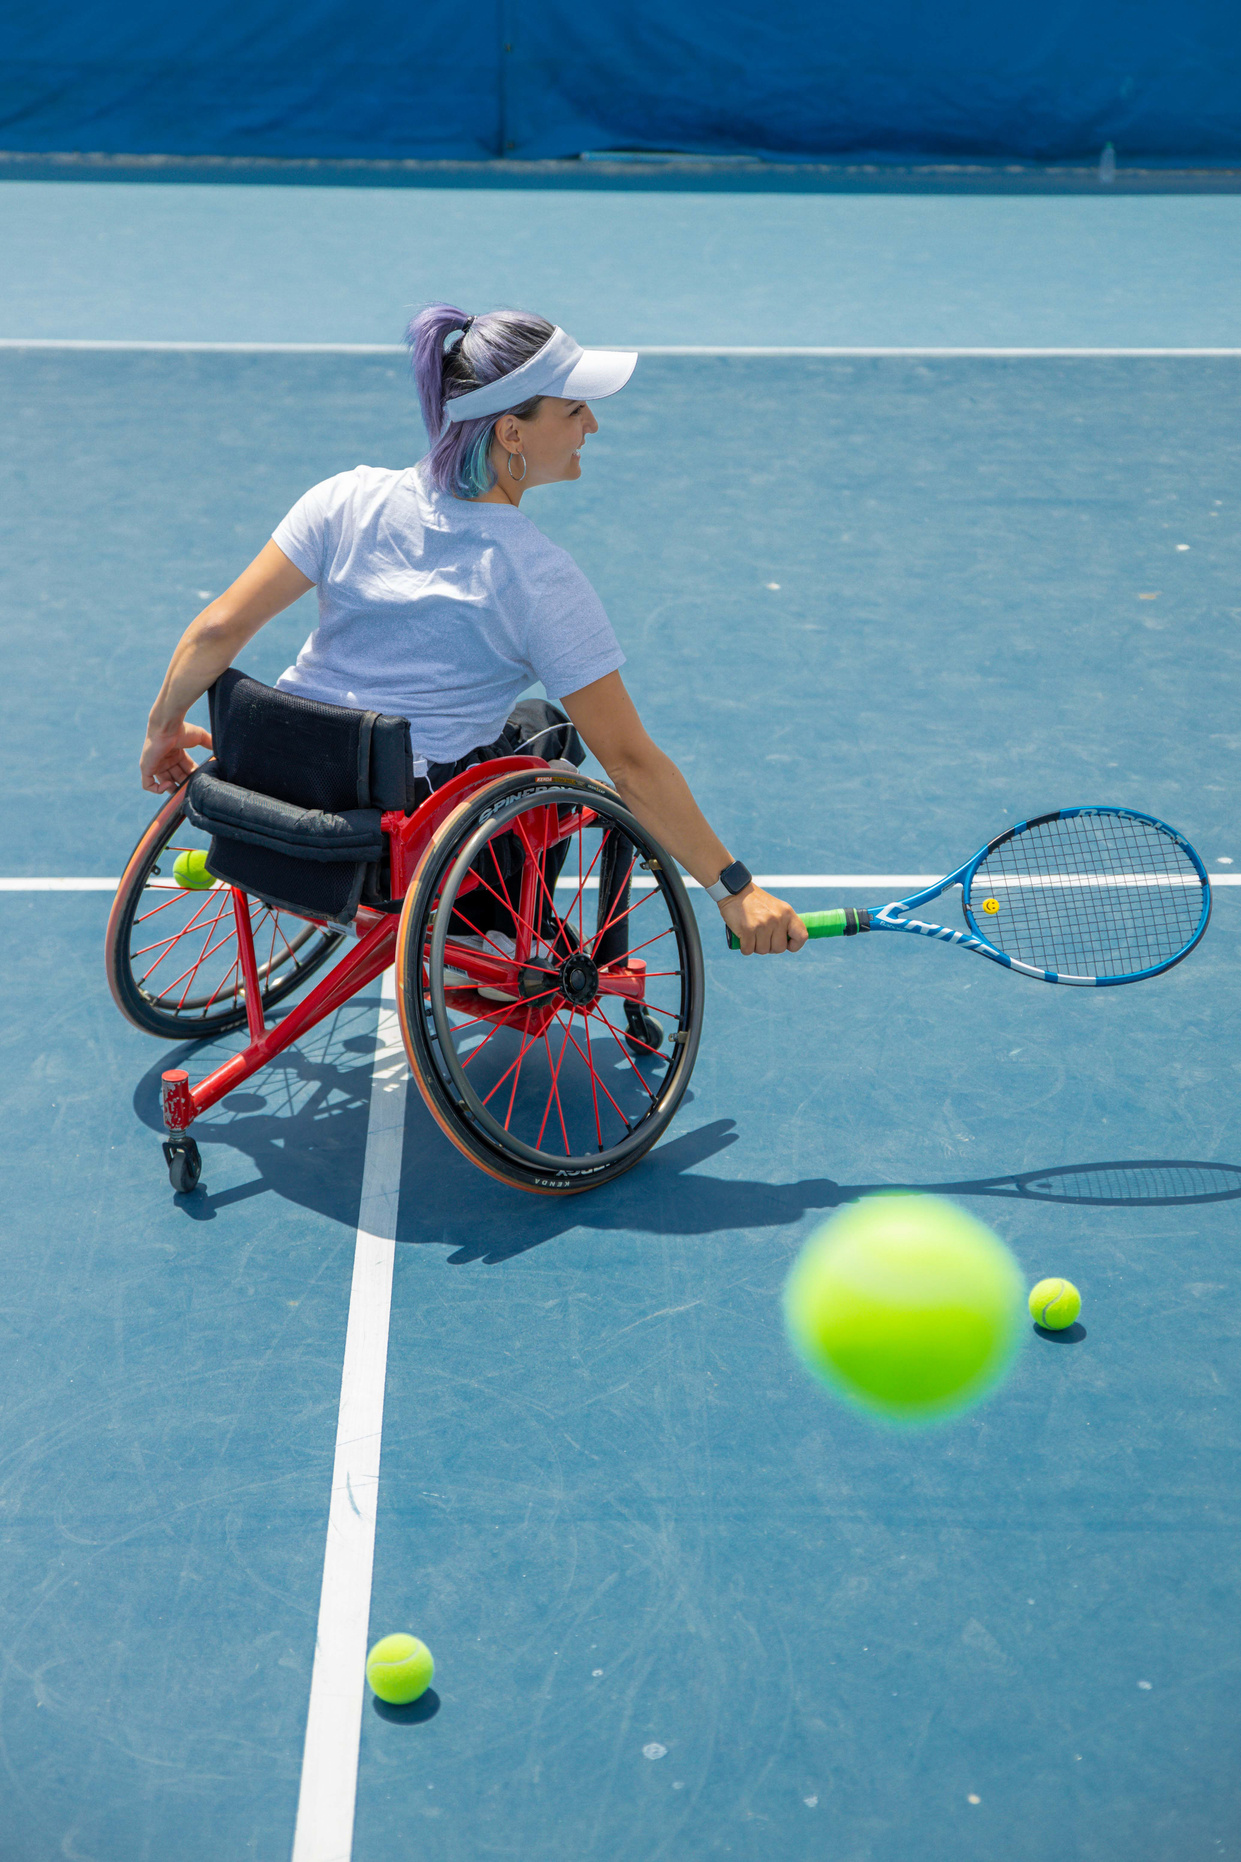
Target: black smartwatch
{"x": 733, "y": 879}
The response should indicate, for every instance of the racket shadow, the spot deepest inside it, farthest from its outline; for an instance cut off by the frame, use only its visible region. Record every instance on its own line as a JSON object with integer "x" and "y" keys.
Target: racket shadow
{"x": 1150, "y": 1183}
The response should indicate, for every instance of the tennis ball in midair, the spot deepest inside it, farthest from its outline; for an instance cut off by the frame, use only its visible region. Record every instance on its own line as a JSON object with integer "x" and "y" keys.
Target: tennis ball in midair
{"x": 1055, "y": 1304}
{"x": 399, "y": 1669}
{"x": 189, "y": 869}
{"x": 906, "y": 1306}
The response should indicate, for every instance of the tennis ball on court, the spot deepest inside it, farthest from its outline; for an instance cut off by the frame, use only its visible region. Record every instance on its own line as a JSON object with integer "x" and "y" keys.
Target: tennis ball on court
{"x": 189, "y": 869}
{"x": 1055, "y": 1304}
{"x": 399, "y": 1669}
{"x": 905, "y": 1306}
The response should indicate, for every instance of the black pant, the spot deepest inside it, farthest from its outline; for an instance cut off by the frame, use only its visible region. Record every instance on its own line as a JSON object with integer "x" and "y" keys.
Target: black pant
{"x": 535, "y": 728}
{"x": 538, "y": 728}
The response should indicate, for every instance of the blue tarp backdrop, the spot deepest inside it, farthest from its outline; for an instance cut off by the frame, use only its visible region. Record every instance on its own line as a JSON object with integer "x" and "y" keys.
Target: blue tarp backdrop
{"x": 1043, "y": 80}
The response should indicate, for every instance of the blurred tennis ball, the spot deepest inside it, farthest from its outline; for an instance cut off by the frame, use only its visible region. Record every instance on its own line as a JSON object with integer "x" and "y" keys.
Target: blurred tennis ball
{"x": 1055, "y": 1304}
{"x": 189, "y": 869}
{"x": 399, "y": 1669}
{"x": 906, "y": 1306}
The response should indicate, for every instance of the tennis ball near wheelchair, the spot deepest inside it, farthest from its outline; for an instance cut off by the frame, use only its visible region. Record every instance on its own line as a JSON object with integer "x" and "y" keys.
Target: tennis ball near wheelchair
{"x": 399, "y": 1669}
{"x": 1055, "y": 1304}
{"x": 906, "y": 1307}
{"x": 189, "y": 869}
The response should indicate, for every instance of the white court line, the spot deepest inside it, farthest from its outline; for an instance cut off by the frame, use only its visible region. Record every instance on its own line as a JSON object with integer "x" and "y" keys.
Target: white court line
{"x": 867, "y": 882}
{"x": 333, "y": 1728}
{"x": 642, "y": 349}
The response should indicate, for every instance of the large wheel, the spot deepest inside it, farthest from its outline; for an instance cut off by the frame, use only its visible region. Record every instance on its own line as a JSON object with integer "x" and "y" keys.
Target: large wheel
{"x": 173, "y": 962}
{"x": 549, "y": 981}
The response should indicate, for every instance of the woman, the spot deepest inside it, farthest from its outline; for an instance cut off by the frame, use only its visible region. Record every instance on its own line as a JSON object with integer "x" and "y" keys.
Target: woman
{"x": 441, "y": 602}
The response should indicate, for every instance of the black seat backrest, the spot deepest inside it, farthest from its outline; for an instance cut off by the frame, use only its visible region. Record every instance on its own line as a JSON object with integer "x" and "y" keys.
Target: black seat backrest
{"x": 313, "y": 755}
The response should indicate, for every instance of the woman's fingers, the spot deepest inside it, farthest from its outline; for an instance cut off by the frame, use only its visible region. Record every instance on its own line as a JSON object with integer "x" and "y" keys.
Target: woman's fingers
{"x": 765, "y": 926}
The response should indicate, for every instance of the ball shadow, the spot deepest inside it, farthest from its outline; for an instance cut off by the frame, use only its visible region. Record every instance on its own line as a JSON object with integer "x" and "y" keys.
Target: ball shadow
{"x": 1067, "y": 1335}
{"x": 413, "y": 1713}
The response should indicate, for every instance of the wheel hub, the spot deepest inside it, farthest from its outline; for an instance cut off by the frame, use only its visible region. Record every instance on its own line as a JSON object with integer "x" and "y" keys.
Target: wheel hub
{"x": 579, "y": 979}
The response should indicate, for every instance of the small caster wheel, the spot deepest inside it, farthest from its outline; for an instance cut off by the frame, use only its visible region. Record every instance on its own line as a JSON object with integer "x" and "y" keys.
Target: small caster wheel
{"x": 185, "y": 1166}
{"x": 645, "y": 1033}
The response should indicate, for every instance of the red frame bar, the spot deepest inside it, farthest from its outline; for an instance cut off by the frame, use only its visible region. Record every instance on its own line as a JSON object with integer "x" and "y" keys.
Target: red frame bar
{"x": 409, "y": 837}
{"x": 249, "y": 968}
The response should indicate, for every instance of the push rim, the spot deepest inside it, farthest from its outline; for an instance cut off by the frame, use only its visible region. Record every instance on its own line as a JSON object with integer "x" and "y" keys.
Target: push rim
{"x": 558, "y": 1090}
{"x": 174, "y": 963}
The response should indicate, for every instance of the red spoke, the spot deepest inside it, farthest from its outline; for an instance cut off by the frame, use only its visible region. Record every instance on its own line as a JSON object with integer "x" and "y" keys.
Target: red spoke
{"x": 594, "y": 1094}
{"x": 624, "y": 1050}
{"x": 512, "y": 1098}
{"x": 526, "y": 1002}
{"x": 538, "y": 867}
{"x": 623, "y": 915}
{"x": 617, "y": 895}
{"x": 666, "y": 932}
{"x": 506, "y": 903}
{"x": 555, "y": 1092}
{"x": 167, "y": 989}
{"x": 209, "y": 952}
{"x": 591, "y": 1066}
{"x": 185, "y": 927}
{"x": 514, "y": 1063}
{"x": 581, "y": 890}
{"x": 175, "y": 898}
{"x": 482, "y": 1044}
{"x": 233, "y": 971}
{"x": 277, "y": 926}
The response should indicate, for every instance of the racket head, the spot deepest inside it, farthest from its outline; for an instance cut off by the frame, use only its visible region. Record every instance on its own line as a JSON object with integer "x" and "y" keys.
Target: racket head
{"x": 1090, "y": 895}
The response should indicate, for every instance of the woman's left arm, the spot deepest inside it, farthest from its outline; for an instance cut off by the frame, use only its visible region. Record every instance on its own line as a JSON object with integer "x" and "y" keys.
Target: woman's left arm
{"x": 205, "y": 649}
{"x": 651, "y": 785}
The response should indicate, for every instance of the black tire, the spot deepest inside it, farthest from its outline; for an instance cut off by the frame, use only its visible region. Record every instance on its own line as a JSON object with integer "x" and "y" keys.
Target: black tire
{"x": 601, "y": 1125}
{"x": 185, "y": 1166}
{"x": 197, "y": 931}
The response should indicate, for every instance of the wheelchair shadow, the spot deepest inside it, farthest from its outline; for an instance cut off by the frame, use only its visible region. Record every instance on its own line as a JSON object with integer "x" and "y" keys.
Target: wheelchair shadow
{"x": 302, "y": 1124}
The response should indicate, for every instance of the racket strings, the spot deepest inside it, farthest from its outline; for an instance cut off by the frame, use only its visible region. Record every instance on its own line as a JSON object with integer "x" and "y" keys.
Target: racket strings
{"x": 1136, "y": 1183}
{"x": 1089, "y": 895}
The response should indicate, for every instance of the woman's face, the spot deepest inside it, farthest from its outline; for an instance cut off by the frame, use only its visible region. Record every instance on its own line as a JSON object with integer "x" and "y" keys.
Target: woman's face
{"x": 550, "y": 443}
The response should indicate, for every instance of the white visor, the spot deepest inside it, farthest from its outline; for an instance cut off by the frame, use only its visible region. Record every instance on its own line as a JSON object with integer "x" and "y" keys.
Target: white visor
{"x": 561, "y": 367}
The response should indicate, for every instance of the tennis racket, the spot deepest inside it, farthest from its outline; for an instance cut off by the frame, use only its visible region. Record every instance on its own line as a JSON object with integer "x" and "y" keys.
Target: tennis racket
{"x": 1085, "y": 895}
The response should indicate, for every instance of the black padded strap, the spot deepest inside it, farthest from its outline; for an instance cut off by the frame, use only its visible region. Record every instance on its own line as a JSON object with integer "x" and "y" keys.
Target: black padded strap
{"x": 260, "y": 820}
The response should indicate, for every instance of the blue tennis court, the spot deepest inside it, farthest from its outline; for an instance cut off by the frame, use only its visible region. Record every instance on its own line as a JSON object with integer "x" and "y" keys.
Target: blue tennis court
{"x": 878, "y": 606}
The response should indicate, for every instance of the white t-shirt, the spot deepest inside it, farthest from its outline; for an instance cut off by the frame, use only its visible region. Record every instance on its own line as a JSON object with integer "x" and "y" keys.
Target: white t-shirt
{"x": 437, "y": 610}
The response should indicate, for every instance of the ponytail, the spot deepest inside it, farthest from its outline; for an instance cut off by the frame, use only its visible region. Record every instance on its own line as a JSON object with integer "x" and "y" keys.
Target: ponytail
{"x": 459, "y": 460}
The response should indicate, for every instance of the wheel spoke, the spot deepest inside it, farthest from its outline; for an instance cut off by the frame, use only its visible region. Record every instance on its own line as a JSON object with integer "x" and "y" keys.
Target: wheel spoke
{"x": 624, "y": 1050}
{"x": 208, "y": 952}
{"x": 207, "y": 930}
{"x": 620, "y": 918}
{"x": 555, "y": 1092}
{"x": 590, "y": 1065}
{"x": 666, "y": 932}
{"x": 507, "y": 904}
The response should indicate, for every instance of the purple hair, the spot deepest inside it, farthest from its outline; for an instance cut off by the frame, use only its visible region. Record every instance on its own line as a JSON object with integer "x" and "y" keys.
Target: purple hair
{"x": 493, "y": 345}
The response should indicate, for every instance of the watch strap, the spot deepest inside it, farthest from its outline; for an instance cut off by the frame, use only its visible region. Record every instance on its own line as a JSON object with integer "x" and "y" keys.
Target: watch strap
{"x": 733, "y": 879}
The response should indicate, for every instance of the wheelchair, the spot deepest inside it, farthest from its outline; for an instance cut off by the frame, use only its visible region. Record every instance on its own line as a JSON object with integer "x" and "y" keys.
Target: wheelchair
{"x": 548, "y": 968}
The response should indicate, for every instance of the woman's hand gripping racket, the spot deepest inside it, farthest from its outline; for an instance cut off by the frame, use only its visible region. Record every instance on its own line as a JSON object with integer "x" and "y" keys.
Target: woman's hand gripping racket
{"x": 1085, "y": 895}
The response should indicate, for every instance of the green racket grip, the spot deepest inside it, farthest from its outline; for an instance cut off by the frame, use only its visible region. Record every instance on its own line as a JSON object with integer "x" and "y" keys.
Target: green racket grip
{"x": 841, "y": 921}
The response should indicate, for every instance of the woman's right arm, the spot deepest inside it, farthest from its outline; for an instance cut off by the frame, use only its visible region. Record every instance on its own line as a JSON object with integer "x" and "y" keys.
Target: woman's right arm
{"x": 206, "y": 649}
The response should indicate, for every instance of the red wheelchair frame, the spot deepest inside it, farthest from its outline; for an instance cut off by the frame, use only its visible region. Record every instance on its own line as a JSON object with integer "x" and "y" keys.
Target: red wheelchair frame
{"x": 383, "y": 938}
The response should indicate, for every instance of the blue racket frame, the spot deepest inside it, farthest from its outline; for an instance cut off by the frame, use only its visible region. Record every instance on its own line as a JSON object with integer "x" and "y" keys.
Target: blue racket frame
{"x": 892, "y": 917}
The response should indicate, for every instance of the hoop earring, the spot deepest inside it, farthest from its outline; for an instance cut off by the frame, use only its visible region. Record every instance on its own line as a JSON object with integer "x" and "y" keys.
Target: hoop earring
{"x": 511, "y": 473}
